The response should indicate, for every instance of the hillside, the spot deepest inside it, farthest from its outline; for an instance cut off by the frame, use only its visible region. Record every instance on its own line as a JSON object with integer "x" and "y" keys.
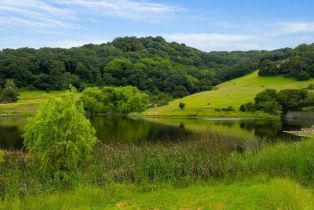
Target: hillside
{"x": 27, "y": 104}
{"x": 151, "y": 63}
{"x": 232, "y": 93}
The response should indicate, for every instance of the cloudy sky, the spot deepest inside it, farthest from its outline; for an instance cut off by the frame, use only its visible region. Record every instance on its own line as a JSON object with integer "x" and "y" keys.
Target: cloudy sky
{"x": 205, "y": 24}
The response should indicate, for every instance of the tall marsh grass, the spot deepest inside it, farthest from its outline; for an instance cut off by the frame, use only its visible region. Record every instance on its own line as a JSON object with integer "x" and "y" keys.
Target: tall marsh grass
{"x": 204, "y": 157}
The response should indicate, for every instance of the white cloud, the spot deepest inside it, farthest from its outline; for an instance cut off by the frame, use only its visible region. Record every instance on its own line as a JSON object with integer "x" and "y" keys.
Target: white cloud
{"x": 214, "y": 41}
{"x": 66, "y": 14}
{"x": 295, "y": 27}
{"x": 34, "y": 14}
{"x": 129, "y": 9}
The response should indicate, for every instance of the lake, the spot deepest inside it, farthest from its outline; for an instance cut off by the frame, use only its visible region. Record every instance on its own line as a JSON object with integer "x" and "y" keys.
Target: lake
{"x": 137, "y": 130}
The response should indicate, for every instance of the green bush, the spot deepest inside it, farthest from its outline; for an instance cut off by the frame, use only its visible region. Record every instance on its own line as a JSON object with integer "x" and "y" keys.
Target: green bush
{"x": 248, "y": 107}
{"x": 302, "y": 76}
{"x": 121, "y": 100}
{"x": 1, "y": 156}
{"x": 228, "y": 109}
{"x": 181, "y": 105}
{"x": 9, "y": 93}
{"x": 59, "y": 137}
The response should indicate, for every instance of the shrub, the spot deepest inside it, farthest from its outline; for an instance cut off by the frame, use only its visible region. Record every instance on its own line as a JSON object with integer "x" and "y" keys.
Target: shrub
{"x": 302, "y": 76}
{"x": 271, "y": 107}
{"x": 1, "y": 156}
{"x": 9, "y": 93}
{"x": 248, "y": 107}
{"x": 228, "y": 109}
{"x": 181, "y": 105}
{"x": 310, "y": 87}
{"x": 121, "y": 100}
{"x": 59, "y": 137}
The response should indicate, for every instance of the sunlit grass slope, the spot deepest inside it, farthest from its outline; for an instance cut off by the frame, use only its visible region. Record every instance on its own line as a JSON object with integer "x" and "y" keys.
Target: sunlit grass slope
{"x": 263, "y": 194}
{"x": 28, "y": 103}
{"x": 232, "y": 93}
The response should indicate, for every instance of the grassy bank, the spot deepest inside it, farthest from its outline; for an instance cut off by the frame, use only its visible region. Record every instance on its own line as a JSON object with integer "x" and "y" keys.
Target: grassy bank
{"x": 232, "y": 93}
{"x": 209, "y": 157}
{"x": 250, "y": 194}
{"x": 27, "y": 104}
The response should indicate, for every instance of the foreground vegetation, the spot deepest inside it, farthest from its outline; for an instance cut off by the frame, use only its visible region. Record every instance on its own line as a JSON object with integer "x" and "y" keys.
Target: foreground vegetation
{"x": 234, "y": 93}
{"x": 260, "y": 193}
{"x": 212, "y": 157}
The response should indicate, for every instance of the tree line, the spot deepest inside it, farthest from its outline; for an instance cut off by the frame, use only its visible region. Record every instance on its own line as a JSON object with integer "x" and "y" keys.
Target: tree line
{"x": 280, "y": 102}
{"x": 296, "y": 63}
{"x": 162, "y": 69}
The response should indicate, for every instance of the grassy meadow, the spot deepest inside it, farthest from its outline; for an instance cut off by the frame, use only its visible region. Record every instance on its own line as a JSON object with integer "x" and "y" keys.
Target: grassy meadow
{"x": 232, "y": 93}
{"x": 27, "y": 104}
{"x": 261, "y": 193}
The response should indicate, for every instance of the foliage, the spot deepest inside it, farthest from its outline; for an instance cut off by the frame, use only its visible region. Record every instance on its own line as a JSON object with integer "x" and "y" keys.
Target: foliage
{"x": 203, "y": 157}
{"x": 248, "y": 107}
{"x": 292, "y": 99}
{"x": 297, "y": 63}
{"x": 1, "y": 156}
{"x": 231, "y": 93}
{"x": 302, "y": 76}
{"x": 266, "y": 101}
{"x": 276, "y": 103}
{"x": 59, "y": 137}
{"x": 151, "y": 64}
{"x": 267, "y": 68}
{"x": 181, "y": 105}
{"x": 228, "y": 109}
{"x": 120, "y": 100}
{"x": 9, "y": 93}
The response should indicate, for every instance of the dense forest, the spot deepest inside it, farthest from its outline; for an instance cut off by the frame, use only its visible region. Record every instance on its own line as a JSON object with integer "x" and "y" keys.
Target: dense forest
{"x": 151, "y": 64}
{"x": 162, "y": 69}
{"x": 297, "y": 63}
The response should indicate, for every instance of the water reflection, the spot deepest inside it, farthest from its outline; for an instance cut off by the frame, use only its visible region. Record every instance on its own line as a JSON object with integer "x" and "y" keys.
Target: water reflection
{"x": 132, "y": 130}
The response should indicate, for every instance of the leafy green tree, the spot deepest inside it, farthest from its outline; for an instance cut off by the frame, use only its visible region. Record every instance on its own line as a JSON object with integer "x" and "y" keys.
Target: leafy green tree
{"x": 264, "y": 96}
{"x": 302, "y": 76}
{"x": 118, "y": 100}
{"x": 267, "y": 68}
{"x": 94, "y": 101}
{"x": 9, "y": 93}
{"x": 248, "y": 107}
{"x": 57, "y": 69}
{"x": 59, "y": 137}
{"x": 292, "y": 99}
{"x": 266, "y": 101}
{"x": 181, "y": 105}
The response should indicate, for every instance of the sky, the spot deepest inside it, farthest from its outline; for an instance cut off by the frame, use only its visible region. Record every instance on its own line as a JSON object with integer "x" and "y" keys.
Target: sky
{"x": 208, "y": 25}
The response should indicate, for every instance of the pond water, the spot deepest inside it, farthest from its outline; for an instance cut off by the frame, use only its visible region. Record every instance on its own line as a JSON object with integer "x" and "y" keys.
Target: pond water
{"x": 136, "y": 130}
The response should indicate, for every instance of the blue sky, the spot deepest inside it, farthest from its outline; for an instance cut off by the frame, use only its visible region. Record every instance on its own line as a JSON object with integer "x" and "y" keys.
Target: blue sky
{"x": 207, "y": 25}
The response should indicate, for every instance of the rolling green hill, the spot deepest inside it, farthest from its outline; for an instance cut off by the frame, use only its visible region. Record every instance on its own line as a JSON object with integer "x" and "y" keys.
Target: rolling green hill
{"x": 27, "y": 104}
{"x": 232, "y": 93}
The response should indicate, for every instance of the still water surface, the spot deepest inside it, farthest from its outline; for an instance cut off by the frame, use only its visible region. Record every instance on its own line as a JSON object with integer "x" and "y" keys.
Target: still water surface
{"x": 132, "y": 130}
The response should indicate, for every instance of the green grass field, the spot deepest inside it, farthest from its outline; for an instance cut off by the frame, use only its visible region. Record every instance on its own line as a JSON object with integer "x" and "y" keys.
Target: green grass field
{"x": 232, "y": 93}
{"x": 27, "y": 104}
{"x": 257, "y": 194}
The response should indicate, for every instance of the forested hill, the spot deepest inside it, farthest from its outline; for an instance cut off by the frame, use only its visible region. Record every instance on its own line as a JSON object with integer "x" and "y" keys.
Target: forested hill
{"x": 297, "y": 63}
{"x": 150, "y": 63}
